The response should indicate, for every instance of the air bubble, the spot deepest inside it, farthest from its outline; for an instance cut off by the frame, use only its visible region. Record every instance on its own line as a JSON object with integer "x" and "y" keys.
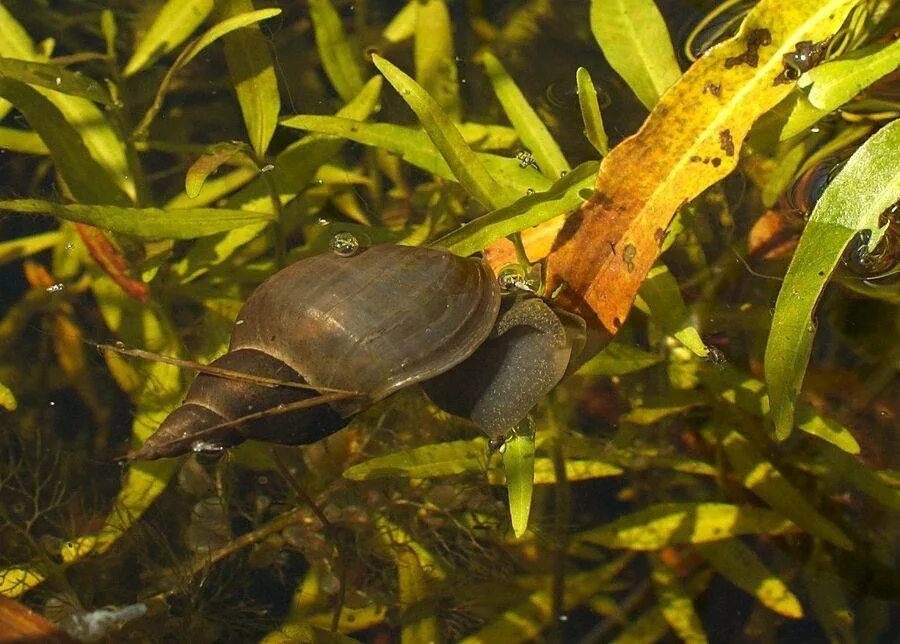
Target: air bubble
{"x": 267, "y": 168}
{"x": 344, "y": 244}
{"x": 206, "y": 447}
{"x": 56, "y": 288}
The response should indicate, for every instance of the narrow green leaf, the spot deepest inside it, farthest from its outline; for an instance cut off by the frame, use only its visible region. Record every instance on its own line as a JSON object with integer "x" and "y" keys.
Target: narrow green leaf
{"x": 54, "y": 77}
{"x": 24, "y": 246}
{"x": 618, "y": 358}
{"x": 864, "y": 188}
{"x": 675, "y": 603}
{"x": 433, "y": 56}
{"x": 21, "y": 141}
{"x": 764, "y": 479}
{"x": 466, "y": 167}
{"x": 739, "y": 564}
{"x": 828, "y": 597}
{"x": 662, "y": 296}
{"x": 527, "y": 123}
{"x": 594, "y": 131}
{"x": 635, "y": 41}
{"x": 415, "y": 147}
{"x": 294, "y": 168}
{"x": 208, "y": 164}
{"x": 666, "y": 524}
{"x": 651, "y": 626}
{"x": 14, "y": 43}
{"x": 151, "y": 223}
{"x": 7, "y": 398}
{"x": 838, "y": 467}
{"x": 84, "y": 176}
{"x": 837, "y": 81}
{"x": 190, "y": 52}
{"x": 440, "y": 459}
{"x": 518, "y": 464}
{"x": 403, "y": 25}
{"x": 174, "y": 24}
{"x": 564, "y": 196}
{"x": 749, "y": 394}
{"x": 15, "y": 581}
{"x": 335, "y": 52}
{"x": 252, "y": 73}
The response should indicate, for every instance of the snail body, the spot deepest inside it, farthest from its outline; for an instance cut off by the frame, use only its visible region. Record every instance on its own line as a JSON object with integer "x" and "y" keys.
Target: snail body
{"x": 382, "y": 318}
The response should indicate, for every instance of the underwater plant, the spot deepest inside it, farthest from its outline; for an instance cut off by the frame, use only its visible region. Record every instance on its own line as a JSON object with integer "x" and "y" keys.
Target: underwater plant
{"x": 628, "y": 271}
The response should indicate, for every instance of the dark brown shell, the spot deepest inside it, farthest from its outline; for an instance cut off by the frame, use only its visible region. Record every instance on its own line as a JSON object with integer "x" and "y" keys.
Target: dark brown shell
{"x": 381, "y": 319}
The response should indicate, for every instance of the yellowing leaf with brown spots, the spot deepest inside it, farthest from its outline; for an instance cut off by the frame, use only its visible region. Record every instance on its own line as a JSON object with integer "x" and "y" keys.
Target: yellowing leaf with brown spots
{"x": 690, "y": 141}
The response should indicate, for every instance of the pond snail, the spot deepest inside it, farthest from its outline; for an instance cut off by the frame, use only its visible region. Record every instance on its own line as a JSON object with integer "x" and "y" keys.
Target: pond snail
{"x": 371, "y": 320}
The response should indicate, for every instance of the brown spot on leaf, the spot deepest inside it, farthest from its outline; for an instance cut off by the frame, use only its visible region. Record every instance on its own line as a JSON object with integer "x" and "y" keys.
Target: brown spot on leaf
{"x": 716, "y": 162}
{"x": 755, "y": 39}
{"x": 660, "y": 236}
{"x": 617, "y": 322}
{"x": 569, "y": 228}
{"x": 726, "y": 142}
{"x": 713, "y": 88}
{"x": 805, "y": 56}
{"x": 628, "y": 255}
{"x": 696, "y": 159}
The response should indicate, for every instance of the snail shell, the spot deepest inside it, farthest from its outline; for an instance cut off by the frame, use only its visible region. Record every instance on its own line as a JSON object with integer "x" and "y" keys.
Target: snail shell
{"x": 381, "y": 319}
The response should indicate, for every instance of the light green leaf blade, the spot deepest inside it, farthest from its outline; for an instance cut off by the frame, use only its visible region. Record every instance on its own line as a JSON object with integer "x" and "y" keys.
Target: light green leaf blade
{"x": 763, "y": 479}
{"x": 665, "y": 524}
{"x": 439, "y": 459}
{"x": 532, "y": 131}
{"x": 433, "y": 55}
{"x": 21, "y": 141}
{"x": 594, "y": 131}
{"x": 867, "y": 185}
{"x": 403, "y": 25}
{"x": 518, "y": 464}
{"x": 567, "y": 194}
{"x": 252, "y": 73}
{"x": 335, "y": 52}
{"x": 85, "y": 177}
{"x": 416, "y": 148}
{"x": 635, "y": 41}
{"x": 675, "y": 603}
{"x": 150, "y": 223}
{"x": 466, "y": 167}
{"x": 661, "y": 294}
{"x": 618, "y": 358}
{"x": 208, "y": 164}
{"x": 24, "y": 246}
{"x": 174, "y": 24}
{"x": 7, "y": 398}
{"x": 837, "y": 81}
{"x": 54, "y": 77}
{"x": 14, "y": 43}
{"x": 739, "y": 564}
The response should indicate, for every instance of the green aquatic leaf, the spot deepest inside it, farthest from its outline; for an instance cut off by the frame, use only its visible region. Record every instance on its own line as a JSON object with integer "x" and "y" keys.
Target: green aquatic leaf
{"x": 837, "y": 81}
{"x": 7, "y": 398}
{"x": 335, "y": 52}
{"x": 56, "y": 78}
{"x": 191, "y": 51}
{"x": 635, "y": 41}
{"x": 208, "y": 164}
{"x": 651, "y": 626}
{"x": 433, "y": 56}
{"x": 14, "y": 43}
{"x": 742, "y": 567}
{"x": 594, "y": 131}
{"x": 85, "y": 177}
{"x": 24, "y": 246}
{"x": 466, "y": 166}
{"x": 564, "y": 196}
{"x": 174, "y": 24}
{"x": 439, "y": 459}
{"x": 21, "y": 141}
{"x": 252, "y": 71}
{"x": 675, "y": 603}
{"x": 865, "y": 187}
{"x": 662, "y": 296}
{"x": 518, "y": 465}
{"x": 665, "y": 524}
{"x": 618, "y": 358}
{"x": 764, "y": 479}
{"x": 416, "y": 148}
{"x": 150, "y": 223}
{"x": 403, "y": 25}
{"x": 828, "y": 598}
{"x": 749, "y": 394}
{"x": 534, "y": 134}
{"x": 294, "y": 168}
